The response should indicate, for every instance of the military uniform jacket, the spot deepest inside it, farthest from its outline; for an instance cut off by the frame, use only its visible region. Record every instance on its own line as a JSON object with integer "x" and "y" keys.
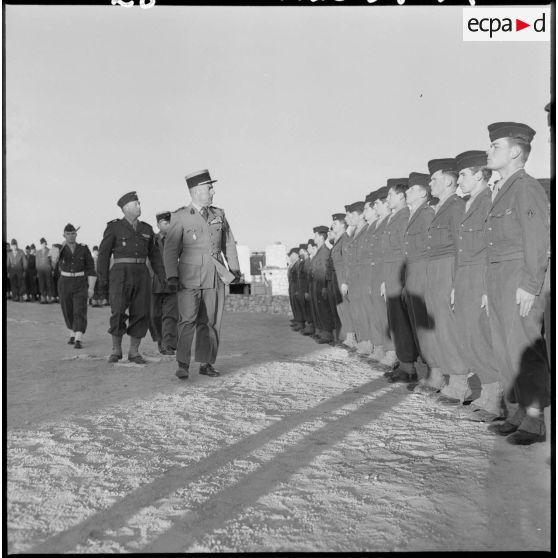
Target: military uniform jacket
{"x": 292, "y": 276}
{"x": 193, "y": 245}
{"x": 355, "y": 252}
{"x": 319, "y": 264}
{"x": 121, "y": 241}
{"x": 376, "y": 242}
{"x": 304, "y": 276}
{"x": 338, "y": 256}
{"x": 443, "y": 230}
{"x": 80, "y": 260}
{"x": 160, "y": 287}
{"x": 17, "y": 261}
{"x": 43, "y": 259}
{"x": 471, "y": 242}
{"x": 391, "y": 240}
{"x": 364, "y": 247}
{"x": 416, "y": 233}
{"x": 517, "y": 228}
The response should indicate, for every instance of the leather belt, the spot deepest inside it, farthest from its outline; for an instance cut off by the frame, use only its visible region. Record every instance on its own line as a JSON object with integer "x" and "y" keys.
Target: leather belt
{"x": 129, "y": 260}
{"x": 76, "y": 274}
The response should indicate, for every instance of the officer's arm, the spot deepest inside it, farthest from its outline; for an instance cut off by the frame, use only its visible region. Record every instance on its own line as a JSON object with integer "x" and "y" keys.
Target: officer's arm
{"x": 532, "y": 211}
{"x": 105, "y": 252}
{"x": 229, "y": 247}
{"x": 156, "y": 259}
{"x": 173, "y": 246}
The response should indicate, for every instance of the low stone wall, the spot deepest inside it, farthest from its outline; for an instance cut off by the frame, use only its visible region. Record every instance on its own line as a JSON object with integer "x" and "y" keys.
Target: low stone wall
{"x": 258, "y": 303}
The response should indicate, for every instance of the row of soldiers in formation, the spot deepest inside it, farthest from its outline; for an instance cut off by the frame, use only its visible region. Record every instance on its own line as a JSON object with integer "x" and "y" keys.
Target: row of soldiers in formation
{"x": 447, "y": 291}
{"x": 32, "y": 275}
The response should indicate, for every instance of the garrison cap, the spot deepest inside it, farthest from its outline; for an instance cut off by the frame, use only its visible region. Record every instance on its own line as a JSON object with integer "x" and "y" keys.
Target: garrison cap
{"x": 303, "y": 246}
{"x": 511, "y": 130}
{"x": 126, "y": 198}
{"x": 371, "y": 197}
{"x": 95, "y": 248}
{"x": 43, "y": 241}
{"x": 321, "y": 229}
{"x": 475, "y": 158}
{"x": 199, "y": 177}
{"x": 381, "y": 193}
{"x": 419, "y": 178}
{"x": 33, "y": 247}
{"x": 545, "y": 183}
{"x": 70, "y": 228}
{"x": 338, "y": 217}
{"x": 14, "y": 241}
{"x": 435, "y": 165}
{"x": 356, "y": 206}
{"x": 311, "y": 242}
{"x": 392, "y": 182}
{"x": 28, "y": 247}
{"x": 293, "y": 251}
{"x": 163, "y": 216}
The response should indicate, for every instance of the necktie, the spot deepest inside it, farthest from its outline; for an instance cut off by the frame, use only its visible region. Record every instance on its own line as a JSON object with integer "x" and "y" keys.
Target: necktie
{"x": 204, "y": 213}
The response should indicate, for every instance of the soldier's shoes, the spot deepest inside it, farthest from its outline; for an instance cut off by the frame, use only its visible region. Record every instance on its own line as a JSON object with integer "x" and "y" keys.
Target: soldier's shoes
{"x": 401, "y": 376}
{"x": 166, "y": 350}
{"x": 524, "y": 438}
{"x": 307, "y": 332}
{"x": 182, "y": 371}
{"x": 208, "y": 370}
{"x": 323, "y": 340}
{"x": 115, "y": 357}
{"x": 137, "y": 359}
{"x": 71, "y": 341}
{"x": 503, "y": 429}
{"x": 481, "y": 415}
{"x": 445, "y": 400}
{"x": 78, "y": 345}
{"x": 422, "y": 388}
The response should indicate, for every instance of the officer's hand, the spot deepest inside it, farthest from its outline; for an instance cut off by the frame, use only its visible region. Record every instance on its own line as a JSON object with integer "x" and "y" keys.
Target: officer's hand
{"x": 90, "y": 293}
{"x": 306, "y": 296}
{"x": 344, "y": 289}
{"x": 452, "y": 298}
{"x": 525, "y": 301}
{"x": 172, "y": 283}
{"x": 383, "y": 290}
{"x": 403, "y": 294}
{"x": 484, "y": 303}
{"x": 324, "y": 293}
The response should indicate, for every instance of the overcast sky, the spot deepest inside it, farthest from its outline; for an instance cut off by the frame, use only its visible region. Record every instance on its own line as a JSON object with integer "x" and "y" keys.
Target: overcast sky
{"x": 296, "y": 111}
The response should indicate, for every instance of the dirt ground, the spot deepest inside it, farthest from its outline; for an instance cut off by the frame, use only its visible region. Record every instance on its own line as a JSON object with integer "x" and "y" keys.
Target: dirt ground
{"x": 296, "y": 447}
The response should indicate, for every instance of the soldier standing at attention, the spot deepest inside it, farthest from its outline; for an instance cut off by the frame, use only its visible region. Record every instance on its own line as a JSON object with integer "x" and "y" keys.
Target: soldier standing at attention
{"x": 31, "y": 274}
{"x": 75, "y": 284}
{"x": 16, "y": 266}
{"x": 518, "y": 244}
{"x": 43, "y": 262}
{"x": 302, "y": 289}
{"x": 164, "y": 305}
{"x": 130, "y": 241}
{"x": 319, "y": 273}
{"x": 198, "y": 235}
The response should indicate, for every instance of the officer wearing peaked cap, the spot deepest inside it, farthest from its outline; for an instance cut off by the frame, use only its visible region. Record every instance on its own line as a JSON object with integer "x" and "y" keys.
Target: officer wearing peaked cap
{"x": 518, "y": 246}
{"x": 131, "y": 242}
{"x": 198, "y": 236}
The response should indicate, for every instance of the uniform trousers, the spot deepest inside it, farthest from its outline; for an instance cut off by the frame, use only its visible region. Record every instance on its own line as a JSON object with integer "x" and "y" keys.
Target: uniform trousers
{"x": 45, "y": 282}
{"x": 360, "y": 302}
{"x": 129, "y": 290}
{"x": 335, "y": 299}
{"x": 164, "y": 318}
{"x": 517, "y": 341}
{"x": 31, "y": 283}
{"x": 200, "y": 312}
{"x": 421, "y": 322}
{"x": 380, "y": 328}
{"x": 546, "y": 292}
{"x": 398, "y": 316}
{"x": 73, "y": 301}
{"x": 439, "y": 282}
{"x": 17, "y": 283}
{"x": 473, "y": 327}
{"x": 323, "y": 309}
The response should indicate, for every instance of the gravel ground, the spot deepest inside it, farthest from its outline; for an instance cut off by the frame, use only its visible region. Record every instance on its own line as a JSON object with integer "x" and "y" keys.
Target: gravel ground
{"x": 296, "y": 447}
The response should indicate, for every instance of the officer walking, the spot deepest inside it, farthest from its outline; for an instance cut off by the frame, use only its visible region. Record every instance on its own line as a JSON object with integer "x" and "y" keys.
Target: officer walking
{"x": 198, "y": 235}
{"x": 130, "y": 242}
{"x": 164, "y": 305}
{"x": 75, "y": 284}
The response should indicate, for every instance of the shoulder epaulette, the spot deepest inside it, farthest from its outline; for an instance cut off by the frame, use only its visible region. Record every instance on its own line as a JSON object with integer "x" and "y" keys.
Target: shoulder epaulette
{"x": 113, "y": 221}
{"x": 177, "y": 210}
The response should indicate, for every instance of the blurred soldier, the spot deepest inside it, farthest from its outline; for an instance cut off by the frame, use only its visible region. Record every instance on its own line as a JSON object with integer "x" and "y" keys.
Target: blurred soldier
{"x": 96, "y": 301}
{"x": 198, "y": 236}
{"x": 547, "y": 292}
{"x": 43, "y": 263}
{"x": 76, "y": 284}
{"x": 352, "y": 288}
{"x": 164, "y": 304}
{"x": 415, "y": 241}
{"x": 54, "y": 254}
{"x": 131, "y": 242}
{"x": 336, "y": 276}
{"x": 319, "y": 273}
{"x": 309, "y": 295}
{"x": 393, "y": 274}
{"x": 442, "y": 253}
{"x": 16, "y": 266}
{"x": 297, "y": 323}
{"x": 303, "y": 289}
{"x": 383, "y": 345}
{"x": 469, "y": 294}
{"x": 518, "y": 245}
{"x": 36, "y": 283}
{"x": 31, "y": 275}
